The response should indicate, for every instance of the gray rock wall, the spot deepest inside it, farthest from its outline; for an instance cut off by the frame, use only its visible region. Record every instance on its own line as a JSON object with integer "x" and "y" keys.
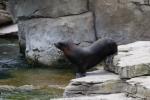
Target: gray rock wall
{"x": 46, "y": 8}
{"x": 43, "y": 24}
{"x": 123, "y": 20}
{"x": 42, "y": 33}
{"x": 5, "y": 17}
{"x": 52, "y": 20}
{"x": 133, "y": 80}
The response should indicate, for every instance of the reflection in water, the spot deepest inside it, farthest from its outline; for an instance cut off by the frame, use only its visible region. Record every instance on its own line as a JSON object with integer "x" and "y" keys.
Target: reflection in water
{"x": 14, "y": 71}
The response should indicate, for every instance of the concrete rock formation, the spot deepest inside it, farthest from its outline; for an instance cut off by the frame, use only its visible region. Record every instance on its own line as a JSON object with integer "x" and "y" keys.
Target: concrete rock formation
{"x": 132, "y": 60}
{"x": 5, "y": 17}
{"x": 42, "y": 24}
{"x": 48, "y": 8}
{"x": 139, "y": 87}
{"x": 9, "y": 30}
{"x": 95, "y": 83}
{"x": 118, "y": 96}
{"x": 124, "y": 21}
{"x": 84, "y": 21}
{"x": 101, "y": 82}
{"x": 41, "y": 34}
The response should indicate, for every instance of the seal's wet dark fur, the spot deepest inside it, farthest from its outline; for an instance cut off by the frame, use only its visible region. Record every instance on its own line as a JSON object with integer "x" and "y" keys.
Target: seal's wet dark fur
{"x": 85, "y": 58}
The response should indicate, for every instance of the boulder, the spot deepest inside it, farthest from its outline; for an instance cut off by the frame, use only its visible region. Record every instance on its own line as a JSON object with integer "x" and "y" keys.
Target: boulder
{"x": 1, "y": 5}
{"x": 7, "y": 88}
{"x": 39, "y": 35}
{"x": 46, "y": 8}
{"x": 95, "y": 83}
{"x": 5, "y": 17}
{"x": 13, "y": 89}
{"x": 119, "y": 96}
{"x": 125, "y": 21}
{"x": 9, "y": 30}
{"x": 139, "y": 87}
{"x": 26, "y": 88}
{"x": 132, "y": 60}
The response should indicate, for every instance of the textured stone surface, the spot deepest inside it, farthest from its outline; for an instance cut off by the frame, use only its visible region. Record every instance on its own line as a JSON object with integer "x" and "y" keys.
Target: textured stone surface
{"x": 123, "y": 20}
{"x": 3, "y": 4}
{"x": 24, "y": 88}
{"x": 10, "y": 29}
{"x": 139, "y": 87}
{"x": 132, "y": 60}
{"x": 21, "y": 37}
{"x": 40, "y": 34}
{"x": 7, "y": 88}
{"x": 4, "y": 17}
{"x": 95, "y": 83}
{"x": 46, "y": 8}
{"x": 119, "y": 96}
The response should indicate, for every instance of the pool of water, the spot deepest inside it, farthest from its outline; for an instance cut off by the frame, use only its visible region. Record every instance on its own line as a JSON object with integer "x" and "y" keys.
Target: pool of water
{"x": 14, "y": 71}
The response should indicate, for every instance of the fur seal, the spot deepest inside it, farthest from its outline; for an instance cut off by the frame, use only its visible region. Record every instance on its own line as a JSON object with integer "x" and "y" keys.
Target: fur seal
{"x": 85, "y": 58}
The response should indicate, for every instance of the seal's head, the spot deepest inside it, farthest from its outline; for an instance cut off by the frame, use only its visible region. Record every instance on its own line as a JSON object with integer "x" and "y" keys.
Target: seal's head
{"x": 64, "y": 44}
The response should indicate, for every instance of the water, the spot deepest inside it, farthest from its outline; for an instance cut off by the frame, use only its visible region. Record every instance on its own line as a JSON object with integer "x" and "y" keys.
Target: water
{"x": 10, "y": 57}
{"x": 14, "y": 71}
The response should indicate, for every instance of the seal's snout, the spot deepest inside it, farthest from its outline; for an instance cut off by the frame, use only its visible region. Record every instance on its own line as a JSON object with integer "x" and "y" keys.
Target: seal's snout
{"x": 56, "y": 45}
